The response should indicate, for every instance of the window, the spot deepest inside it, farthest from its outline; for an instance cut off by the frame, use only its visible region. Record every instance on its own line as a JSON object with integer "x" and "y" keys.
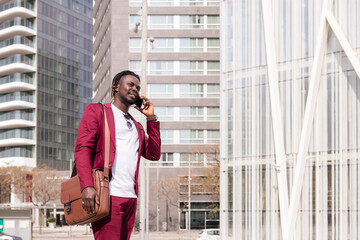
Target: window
{"x": 161, "y": 67}
{"x": 213, "y": 67}
{"x": 161, "y": 3}
{"x": 152, "y": 3}
{"x": 167, "y": 157}
{"x": 213, "y": 136}
{"x": 213, "y": 44}
{"x": 162, "y": 45}
{"x": 133, "y": 19}
{"x": 135, "y": 44}
{"x": 167, "y": 136}
{"x": 165, "y": 113}
{"x": 191, "y": 113}
{"x": 191, "y": 21}
{"x": 160, "y": 22}
{"x": 191, "y": 67}
{"x": 160, "y": 90}
{"x": 213, "y": 90}
{"x": 135, "y": 66}
{"x": 23, "y": 151}
{"x": 213, "y": 113}
{"x": 191, "y": 90}
{"x": 213, "y": 21}
{"x": 191, "y": 136}
{"x": 191, "y": 44}
{"x": 159, "y": 45}
{"x": 196, "y": 159}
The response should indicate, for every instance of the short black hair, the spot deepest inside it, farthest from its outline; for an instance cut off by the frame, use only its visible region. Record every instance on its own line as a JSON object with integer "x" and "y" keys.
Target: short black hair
{"x": 118, "y": 77}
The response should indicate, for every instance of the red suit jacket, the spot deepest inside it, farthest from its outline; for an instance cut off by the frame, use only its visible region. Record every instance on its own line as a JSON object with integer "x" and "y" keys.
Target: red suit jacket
{"x": 90, "y": 143}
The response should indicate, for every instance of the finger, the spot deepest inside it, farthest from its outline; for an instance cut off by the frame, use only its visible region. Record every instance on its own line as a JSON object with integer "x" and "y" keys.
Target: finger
{"x": 92, "y": 206}
{"x": 139, "y": 109}
{"x": 97, "y": 199}
{"x": 145, "y": 98}
{"x": 85, "y": 207}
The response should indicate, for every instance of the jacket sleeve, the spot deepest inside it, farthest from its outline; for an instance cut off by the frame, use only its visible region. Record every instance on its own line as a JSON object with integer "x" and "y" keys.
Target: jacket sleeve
{"x": 86, "y": 145}
{"x": 152, "y": 149}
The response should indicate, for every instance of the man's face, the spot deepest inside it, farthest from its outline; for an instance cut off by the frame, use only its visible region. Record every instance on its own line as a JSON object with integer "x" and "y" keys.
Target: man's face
{"x": 128, "y": 89}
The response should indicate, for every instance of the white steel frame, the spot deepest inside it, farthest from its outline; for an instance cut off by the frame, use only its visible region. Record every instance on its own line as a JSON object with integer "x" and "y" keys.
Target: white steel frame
{"x": 289, "y": 212}
{"x": 289, "y": 206}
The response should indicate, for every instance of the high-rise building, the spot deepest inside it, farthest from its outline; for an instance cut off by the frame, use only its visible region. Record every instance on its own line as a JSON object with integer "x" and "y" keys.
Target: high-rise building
{"x": 45, "y": 79}
{"x": 182, "y": 77}
{"x": 290, "y": 144}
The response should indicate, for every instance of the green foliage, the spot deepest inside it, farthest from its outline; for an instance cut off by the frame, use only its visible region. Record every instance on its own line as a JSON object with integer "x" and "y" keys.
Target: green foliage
{"x": 51, "y": 220}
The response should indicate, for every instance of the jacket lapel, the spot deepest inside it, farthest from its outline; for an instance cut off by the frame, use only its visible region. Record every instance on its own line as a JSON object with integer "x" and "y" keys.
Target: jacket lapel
{"x": 140, "y": 131}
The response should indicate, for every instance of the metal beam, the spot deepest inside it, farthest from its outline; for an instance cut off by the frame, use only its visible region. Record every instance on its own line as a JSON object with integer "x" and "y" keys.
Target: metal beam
{"x": 276, "y": 113}
{"x": 343, "y": 42}
{"x": 314, "y": 85}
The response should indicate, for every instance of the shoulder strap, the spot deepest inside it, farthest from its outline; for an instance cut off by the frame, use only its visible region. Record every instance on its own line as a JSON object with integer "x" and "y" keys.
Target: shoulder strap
{"x": 107, "y": 149}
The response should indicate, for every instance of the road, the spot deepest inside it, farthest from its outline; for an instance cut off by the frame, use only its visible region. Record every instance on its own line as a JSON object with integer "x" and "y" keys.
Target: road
{"x": 83, "y": 232}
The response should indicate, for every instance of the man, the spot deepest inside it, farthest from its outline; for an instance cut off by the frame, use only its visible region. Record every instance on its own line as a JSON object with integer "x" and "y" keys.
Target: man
{"x": 128, "y": 142}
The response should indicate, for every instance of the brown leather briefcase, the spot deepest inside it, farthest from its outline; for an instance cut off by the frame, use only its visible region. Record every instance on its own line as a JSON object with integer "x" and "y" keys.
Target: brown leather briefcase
{"x": 71, "y": 192}
{"x": 71, "y": 198}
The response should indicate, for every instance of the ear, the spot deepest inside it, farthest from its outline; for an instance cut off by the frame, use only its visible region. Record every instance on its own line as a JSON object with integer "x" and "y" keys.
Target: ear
{"x": 116, "y": 89}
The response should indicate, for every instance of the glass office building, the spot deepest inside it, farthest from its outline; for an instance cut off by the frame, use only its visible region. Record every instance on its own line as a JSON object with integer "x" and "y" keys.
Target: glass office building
{"x": 289, "y": 119}
{"x": 45, "y": 79}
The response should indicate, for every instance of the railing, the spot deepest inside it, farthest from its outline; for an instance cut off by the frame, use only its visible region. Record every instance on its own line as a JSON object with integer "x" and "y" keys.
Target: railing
{"x": 17, "y": 59}
{"x": 17, "y": 22}
{"x": 21, "y": 96}
{"x": 17, "y": 133}
{"x": 159, "y": 3}
{"x": 12, "y": 4}
{"x": 23, "y": 151}
{"x": 17, "y": 40}
{"x": 17, "y": 114}
{"x": 17, "y": 77}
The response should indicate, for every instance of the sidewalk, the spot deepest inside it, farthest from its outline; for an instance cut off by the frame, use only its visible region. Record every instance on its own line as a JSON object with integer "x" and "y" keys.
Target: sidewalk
{"x": 83, "y": 232}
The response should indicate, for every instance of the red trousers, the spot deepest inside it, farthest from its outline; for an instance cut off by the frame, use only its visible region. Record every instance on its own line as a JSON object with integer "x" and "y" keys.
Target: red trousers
{"x": 119, "y": 223}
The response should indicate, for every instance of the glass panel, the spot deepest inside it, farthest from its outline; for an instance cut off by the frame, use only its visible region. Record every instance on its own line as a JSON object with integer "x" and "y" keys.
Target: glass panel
{"x": 191, "y": 21}
{"x": 161, "y": 22}
{"x": 213, "y": 44}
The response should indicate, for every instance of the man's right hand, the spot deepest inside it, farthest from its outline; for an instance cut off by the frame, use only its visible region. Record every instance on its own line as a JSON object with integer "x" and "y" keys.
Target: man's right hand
{"x": 88, "y": 196}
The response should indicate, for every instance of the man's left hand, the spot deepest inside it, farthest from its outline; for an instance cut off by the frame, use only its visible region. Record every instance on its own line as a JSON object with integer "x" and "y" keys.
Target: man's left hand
{"x": 148, "y": 109}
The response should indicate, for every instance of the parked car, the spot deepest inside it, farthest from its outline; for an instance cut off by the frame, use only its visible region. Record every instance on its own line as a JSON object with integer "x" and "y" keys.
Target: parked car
{"x": 4, "y": 236}
{"x": 209, "y": 234}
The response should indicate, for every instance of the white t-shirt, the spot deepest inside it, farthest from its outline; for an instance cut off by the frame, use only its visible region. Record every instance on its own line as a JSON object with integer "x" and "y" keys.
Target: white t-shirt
{"x": 122, "y": 183}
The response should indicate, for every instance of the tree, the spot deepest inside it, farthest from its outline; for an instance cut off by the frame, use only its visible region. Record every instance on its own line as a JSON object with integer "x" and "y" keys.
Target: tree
{"x": 169, "y": 188}
{"x": 210, "y": 183}
{"x": 36, "y": 185}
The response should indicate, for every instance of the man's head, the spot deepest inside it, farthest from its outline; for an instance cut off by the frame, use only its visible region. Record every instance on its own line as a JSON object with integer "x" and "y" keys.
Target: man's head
{"x": 126, "y": 85}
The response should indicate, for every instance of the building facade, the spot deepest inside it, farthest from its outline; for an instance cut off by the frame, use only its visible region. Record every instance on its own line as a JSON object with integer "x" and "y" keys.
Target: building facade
{"x": 289, "y": 119}
{"x": 45, "y": 79}
{"x": 182, "y": 71}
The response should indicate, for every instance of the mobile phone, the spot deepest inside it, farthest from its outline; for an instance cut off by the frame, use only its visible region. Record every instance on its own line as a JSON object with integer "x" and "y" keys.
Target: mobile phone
{"x": 139, "y": 102}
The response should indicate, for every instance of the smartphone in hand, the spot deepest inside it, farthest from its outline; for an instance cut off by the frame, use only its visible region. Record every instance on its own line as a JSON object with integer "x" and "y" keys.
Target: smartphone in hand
{"x": 139, "y": 102}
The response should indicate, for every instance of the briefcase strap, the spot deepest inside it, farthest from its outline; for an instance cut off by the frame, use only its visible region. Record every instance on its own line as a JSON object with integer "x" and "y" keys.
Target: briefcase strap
{"x": 107, "y": 150}
{"x": 107, "y": 147}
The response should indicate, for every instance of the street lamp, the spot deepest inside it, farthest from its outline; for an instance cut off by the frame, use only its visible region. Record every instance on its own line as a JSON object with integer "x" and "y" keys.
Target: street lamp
{"x": 142, "y": 171}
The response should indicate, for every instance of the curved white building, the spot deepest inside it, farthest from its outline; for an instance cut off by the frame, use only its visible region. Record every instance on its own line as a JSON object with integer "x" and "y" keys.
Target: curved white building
{"x": 290, "y": 121}
{"x": 18, "y": 84}
{"x": 45, "y": 80}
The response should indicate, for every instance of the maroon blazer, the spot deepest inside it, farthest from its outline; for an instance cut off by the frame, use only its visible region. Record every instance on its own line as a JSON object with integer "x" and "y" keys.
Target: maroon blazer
{"x": 90, "y": 142}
